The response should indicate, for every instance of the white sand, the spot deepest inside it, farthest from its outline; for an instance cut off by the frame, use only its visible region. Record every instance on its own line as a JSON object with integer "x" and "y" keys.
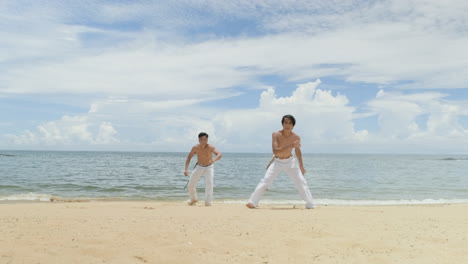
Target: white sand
{"x": 157, "y": 232}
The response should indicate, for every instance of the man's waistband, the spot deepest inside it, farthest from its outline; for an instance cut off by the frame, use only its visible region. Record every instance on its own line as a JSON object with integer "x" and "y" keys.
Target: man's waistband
{"x": 288, "y": 158}
{"x": 204, "y": 166}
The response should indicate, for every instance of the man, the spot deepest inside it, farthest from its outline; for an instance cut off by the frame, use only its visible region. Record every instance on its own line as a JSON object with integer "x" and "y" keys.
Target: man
{"x": 204, "y": 166}
{"x": 283, "y": 142}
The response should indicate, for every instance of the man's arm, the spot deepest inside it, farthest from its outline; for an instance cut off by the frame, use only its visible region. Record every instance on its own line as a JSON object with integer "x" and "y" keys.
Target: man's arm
{"x": 299, "y": 157}
{"x": 187, "y": 161}
{"x": 218, "y": 155}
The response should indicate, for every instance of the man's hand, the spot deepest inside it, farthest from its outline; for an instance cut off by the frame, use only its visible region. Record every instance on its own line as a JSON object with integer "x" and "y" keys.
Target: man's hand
{"x": 296, "y": 144}
{"x": 303, "y": 170}
{"x": 186, "y": 172}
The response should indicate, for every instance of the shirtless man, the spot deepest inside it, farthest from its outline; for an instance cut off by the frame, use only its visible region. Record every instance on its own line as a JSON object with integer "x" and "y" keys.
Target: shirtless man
{"x": 283, "y": 142}
{"x": 204, "y": 166}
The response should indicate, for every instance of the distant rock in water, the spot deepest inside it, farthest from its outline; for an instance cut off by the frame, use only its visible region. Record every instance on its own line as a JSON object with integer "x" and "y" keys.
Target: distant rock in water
{"x": 6, "y": 155}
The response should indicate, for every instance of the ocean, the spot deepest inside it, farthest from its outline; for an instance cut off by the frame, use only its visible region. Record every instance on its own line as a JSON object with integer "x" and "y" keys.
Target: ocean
{"x": 334, "y": 179}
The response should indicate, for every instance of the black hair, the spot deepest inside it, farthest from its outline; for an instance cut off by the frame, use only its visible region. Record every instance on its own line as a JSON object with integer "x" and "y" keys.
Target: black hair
{"x": 290, "y": 117}
{"x": 202, "y": 134}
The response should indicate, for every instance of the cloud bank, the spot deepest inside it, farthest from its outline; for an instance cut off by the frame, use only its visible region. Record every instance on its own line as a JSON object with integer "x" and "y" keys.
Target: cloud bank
{"x": 325, "y": 122}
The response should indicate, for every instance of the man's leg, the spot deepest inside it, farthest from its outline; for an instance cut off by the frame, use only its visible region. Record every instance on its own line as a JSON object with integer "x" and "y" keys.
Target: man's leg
{"x": 209, "y": 171}
{"x": 194, "y": 178}
{"x": 301, "y": 184}
{"x": 263, "y": 185}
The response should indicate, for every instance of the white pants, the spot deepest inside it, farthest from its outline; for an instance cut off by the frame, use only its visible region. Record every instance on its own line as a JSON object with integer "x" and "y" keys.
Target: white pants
{"x": 291, "y": 167}
{"x": 197, "y": 172}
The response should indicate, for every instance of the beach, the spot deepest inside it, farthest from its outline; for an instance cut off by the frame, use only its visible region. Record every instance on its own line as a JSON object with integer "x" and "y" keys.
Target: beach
{"x": 172, "y": 232}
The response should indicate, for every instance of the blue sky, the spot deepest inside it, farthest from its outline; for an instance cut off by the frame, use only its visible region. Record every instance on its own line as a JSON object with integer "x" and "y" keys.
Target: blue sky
{"x": 360, "y": 76}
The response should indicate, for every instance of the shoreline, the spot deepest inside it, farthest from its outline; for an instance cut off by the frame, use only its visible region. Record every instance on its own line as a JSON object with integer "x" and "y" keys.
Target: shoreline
{"x": 200, "y": 203}
{"x": 172, "y": 232}
{"x": 46, "y": 198}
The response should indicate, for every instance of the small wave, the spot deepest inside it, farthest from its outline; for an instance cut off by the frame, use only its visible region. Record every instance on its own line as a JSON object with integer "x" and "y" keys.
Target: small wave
{"x": 452, "y": 159}
{"x": 9, "y": 187}
{"x": 27, "y": 197}
{"x": 357, "y": 202}
{"x": 39, "y": 197}
{"x": 111, "y": 190}
{"x": 151, "y": 188}
{"x": 391, "y": 202}
{"x": 320, "y": 202}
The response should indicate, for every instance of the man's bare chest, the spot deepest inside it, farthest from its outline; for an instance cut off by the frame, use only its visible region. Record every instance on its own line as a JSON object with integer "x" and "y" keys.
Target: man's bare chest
{"x": 203, "y": 153}
{"x": 285, "y": 141}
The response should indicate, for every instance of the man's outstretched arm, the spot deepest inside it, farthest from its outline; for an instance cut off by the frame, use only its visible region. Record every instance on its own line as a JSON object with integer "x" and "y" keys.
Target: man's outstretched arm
{"x": 187, "y": 161}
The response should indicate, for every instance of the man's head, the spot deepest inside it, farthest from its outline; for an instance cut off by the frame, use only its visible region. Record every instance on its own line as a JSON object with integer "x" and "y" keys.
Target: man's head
{"x": 288, "y": 120}
{"x": 203, "y": 138}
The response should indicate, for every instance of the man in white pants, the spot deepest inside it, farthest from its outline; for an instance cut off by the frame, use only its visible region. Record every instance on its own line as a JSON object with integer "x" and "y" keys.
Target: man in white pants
{"x": 204, "y": 166}
{"x": 283, "y": 142}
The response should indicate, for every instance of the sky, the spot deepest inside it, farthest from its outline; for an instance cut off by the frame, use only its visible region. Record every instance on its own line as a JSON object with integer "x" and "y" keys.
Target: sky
{"x": 388, "y": 76}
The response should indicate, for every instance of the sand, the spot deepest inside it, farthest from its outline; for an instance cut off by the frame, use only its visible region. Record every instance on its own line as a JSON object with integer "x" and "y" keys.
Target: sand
{"x": 168, "y": 232}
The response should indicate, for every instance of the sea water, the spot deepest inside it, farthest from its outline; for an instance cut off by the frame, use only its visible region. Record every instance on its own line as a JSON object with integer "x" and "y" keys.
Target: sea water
{"x": 335, "y": 179}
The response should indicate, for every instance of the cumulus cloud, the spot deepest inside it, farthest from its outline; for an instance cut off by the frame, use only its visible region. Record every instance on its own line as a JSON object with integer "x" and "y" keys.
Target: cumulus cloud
{"x": 321, "y": 117}
{"x": 424, "y": 122}
{"x": 106, "y": 134}
{"x": 325, "y": 122}
{"x": 69, "y": 131}
{"x": 398, "y": 113}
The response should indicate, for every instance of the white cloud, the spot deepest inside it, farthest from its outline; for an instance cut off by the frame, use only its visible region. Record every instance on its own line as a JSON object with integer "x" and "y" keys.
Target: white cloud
{"x": 325, "y": 122}
{"x": 321, "y": 117}
{"x": 27, "y": 138}
{"x": 156, "y": 73}
{"x": 439, "y": 130}
{"x": 214, "y": 67}
{"x": 69, "y": 131}
{"x": 373, "y": 43}
{"x": 106, "y": 134}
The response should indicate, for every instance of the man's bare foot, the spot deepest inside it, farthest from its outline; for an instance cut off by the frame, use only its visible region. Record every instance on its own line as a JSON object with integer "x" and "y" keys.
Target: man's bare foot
{"x": 192, "y": 202}
{"x": 250, "y": 205}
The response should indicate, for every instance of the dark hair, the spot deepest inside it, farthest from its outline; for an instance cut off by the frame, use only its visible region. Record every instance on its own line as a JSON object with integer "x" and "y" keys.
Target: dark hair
{"x": 290, "y": 117}
{"x": 202, "y": 134}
